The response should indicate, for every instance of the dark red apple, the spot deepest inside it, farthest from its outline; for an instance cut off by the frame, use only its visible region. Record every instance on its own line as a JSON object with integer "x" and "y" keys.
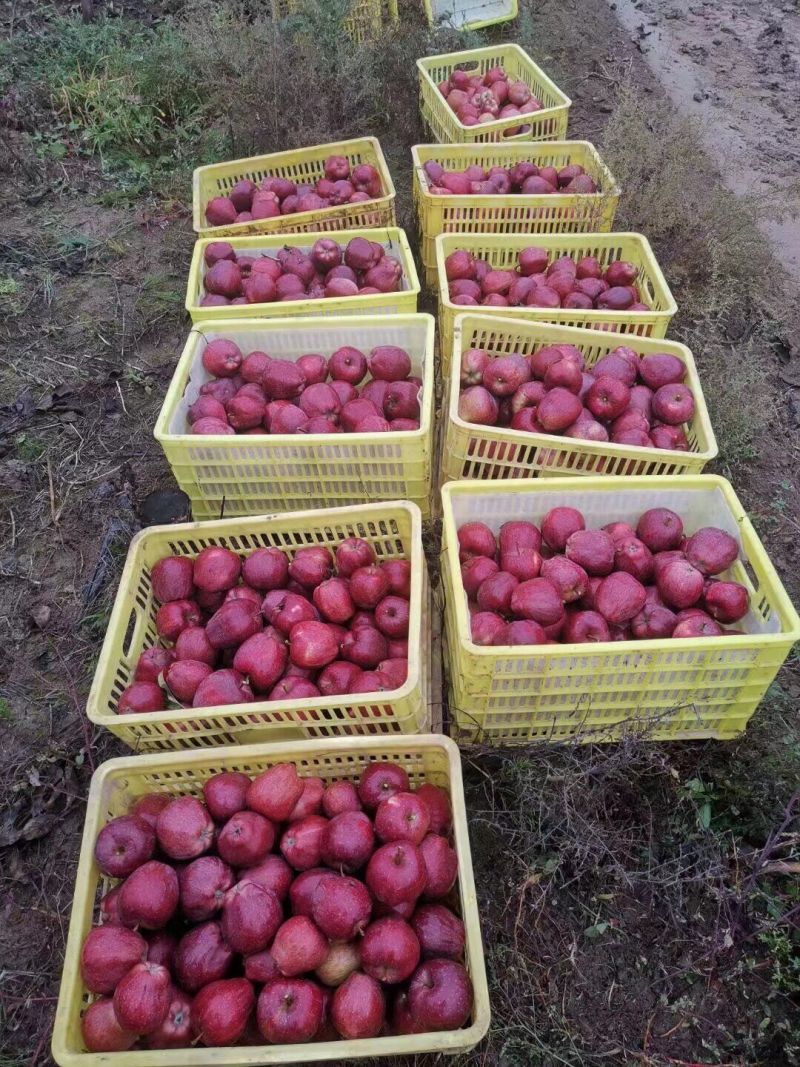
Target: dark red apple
{"x": 203, "y": 885}
{"x": 439, "y": 931}
{"x": 711, "y": 550}
{"x": 380, "y": 780}
{"x": 202, "y": 956}
{"x": 441, "y": 866}
{"x": 100, "y": 1030}
{"x": 273, "y": 872}
{"x": 251, "y": 915}
{"x": 660, "y": 528}
{"x": 440, "y": 995}
{"x": 341, "y": 907}
{"x": 559, "y": 524}
{"x": 142, "y": 998}
{"x": 348, "y": 841}
{"x": 220, "y": 1011}
{"x": 108, "y": 953}
{"x": 185, "y": 828}
{"x": 301, "y": 843}
{"x": 437, "y": 802}
{"x": 124, "y": 844}
{"x": 402, "y": 817}
{"x": 275, "y": 791}
{"x": 299, "y": 946}
{"x": 396, "y": 873}
{"x": 289, "y": 1011}
{"x": 593, "y": 550}
{"x": 358, "y": 1008}
{"x": 149, "y": 897}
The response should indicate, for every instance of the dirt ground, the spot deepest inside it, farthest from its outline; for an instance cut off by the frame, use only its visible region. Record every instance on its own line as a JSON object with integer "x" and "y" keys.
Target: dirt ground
{"x": 734, "y": 68}
{"x": 631, "y": 904}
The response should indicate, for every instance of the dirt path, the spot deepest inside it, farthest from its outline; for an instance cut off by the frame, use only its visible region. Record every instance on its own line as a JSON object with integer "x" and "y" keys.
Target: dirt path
{"x": 734, "y": 68}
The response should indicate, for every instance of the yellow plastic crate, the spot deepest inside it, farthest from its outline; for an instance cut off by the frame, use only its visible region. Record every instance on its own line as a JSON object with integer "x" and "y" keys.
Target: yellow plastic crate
{"x": 549, "y": 124}
{"x": 393, "y": 240}
{"x": 471, "y": 451}
{"x": 298, "y": 165}
{"x": 673, "y": 689}
{"x": 502, "y": 252}
{"x": 395, "y": 532}
{"x": 470, "y": 14}
{"x": 249, "y": 475}
{"x": 366, "y": 19}
{"x": 514, "y": 213}
{"x": 116, "y": 784}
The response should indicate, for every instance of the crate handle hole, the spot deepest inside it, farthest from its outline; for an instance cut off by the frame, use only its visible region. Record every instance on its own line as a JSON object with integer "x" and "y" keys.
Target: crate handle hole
{"x": 127, "y": 640}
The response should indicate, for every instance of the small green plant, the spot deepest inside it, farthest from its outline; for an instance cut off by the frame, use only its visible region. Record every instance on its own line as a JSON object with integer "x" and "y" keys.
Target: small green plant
{"x": 30, "y": 449}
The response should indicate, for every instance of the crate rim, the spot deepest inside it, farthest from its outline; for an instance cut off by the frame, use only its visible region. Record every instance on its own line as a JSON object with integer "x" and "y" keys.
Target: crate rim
{"x": 499, "y": 124}
{"x": 548, "y": 240}
{"x": 477, "y": 24}
{"x": 600, "y": 447}
{"x": 299, "y": 240}
{"x": 465, "y": 487}
{"x": 557, "y": 199}
{"x": 200, "y": 172}
{"x": 456, "y": 1040}
{"x": 161, "y": 431}
{"x": 100, "y": 717}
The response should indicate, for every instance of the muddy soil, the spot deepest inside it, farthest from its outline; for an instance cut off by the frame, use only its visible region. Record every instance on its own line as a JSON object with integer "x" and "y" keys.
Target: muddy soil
{"x": 734, "y": 67}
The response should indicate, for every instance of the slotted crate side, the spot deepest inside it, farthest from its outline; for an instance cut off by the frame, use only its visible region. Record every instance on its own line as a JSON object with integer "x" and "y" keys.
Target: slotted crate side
{"x": 502, "y": 252}
{"x": 426, "y": 758}
{"x": 471, "y": 451}
{"x": 366, "y": 18}
{"x": 470, "y": 14}
{"x": 393, "y": 240}
{"x": 514, "y": 213}
{"x": 549, "y": 124}
{"x": 247, "y": 475}
{"x": 695, "y": 687}
{"x": 393, "y": 529}
{"x": 298, "y": 165}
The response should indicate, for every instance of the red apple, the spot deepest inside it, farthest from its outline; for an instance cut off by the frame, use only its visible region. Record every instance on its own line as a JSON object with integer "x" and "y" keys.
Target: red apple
{"x": 148, "y": 897}
{"x": 593, "y": 550}
{"x": 402, "y": 817}
{"x": 341, "y": 907}
{"x": 439, "y": 931}
{"x": 100, "y": 1030}
{"x": 275, "y": 791}
{"x": 711, "y": 550}
{"x": 441, "y": 866}
{"x": 340, "y": 797}
{"x": 440, "y": 995}
{"x": 396, "y": 873}
{"x": 380, "y": 780}
{"x": 301, "y": 843}
{"x": 559, "y": 524}
{"x": 250, "y": 916}
{"x": 202, "y": 956}
{"x": 299, "y": 946}
{"x": 289, "y": 1010}
{"x": 348, "y": 841}
{"x": 185, "y": 828}
{"x": 124, "y": 844}
{"x": 203, "y": 885}
{"x": 220, "y": 1011}
{"x": 108, "y": 953}
{"x": 437, "y": 802}
{"x": 620, "y": 597}
{"x": 680, "y": 584}
{"x": 273, "y": 872}
{"x": 142, "y": 998}
{"x": 660, "y": 529}
{"x": 358, "y": 1008}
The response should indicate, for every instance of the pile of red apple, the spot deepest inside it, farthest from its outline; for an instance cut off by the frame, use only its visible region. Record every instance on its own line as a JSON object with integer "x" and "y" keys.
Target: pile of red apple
{"x": 477, "y": 99}
{"x": 257, "y": 394}
{"x": 560, "y": 582}
{"x": 538, "y": 283}
{"x": 273, "y": 627}
{"x": 525, "y": 178}
{"x": 274, "y": 197}
{"x": 623, "y": 398}
{"x": 362, "y": 268}
{"x": 277, "y": 910}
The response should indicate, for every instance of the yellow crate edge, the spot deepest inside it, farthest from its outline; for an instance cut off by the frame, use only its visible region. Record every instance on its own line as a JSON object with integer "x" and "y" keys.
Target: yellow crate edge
{"x": 473, "y": 53}
{"x": 450, "y": 1041}
{"x": 269, "y": 241}
{"x": 789, "y": 635}
{"x": 552, "y": 332}
{"x": 381, "y": 202}
{"x": 226, "y": 528}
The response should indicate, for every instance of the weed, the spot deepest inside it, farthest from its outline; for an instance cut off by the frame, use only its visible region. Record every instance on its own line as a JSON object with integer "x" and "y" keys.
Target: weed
{"x": 5, "y": 709}
{"x": 30, "y": 449}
